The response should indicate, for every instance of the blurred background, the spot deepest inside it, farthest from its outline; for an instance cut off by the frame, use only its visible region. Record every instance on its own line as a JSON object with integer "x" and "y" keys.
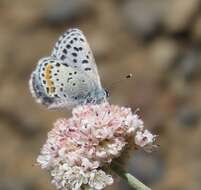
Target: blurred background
{"x": 156, "y": 40}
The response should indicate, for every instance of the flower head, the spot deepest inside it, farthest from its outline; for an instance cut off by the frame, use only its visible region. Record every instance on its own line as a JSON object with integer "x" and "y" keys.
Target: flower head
{"x": 77, "y": 148}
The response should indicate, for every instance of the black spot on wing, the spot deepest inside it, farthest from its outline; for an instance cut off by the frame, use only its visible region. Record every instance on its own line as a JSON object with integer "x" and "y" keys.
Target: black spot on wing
{"x": 63, "y": 57}
{"x": 70, "y": 78}
{"x": 47, "y": 89}
{"x": 65, "y": 64}
{"x": 64, "y": 51}
{"x": 76, "y": 49}
{"x": 74, "y": 54}
{"x": 85, "y": 61}
{"x": 56, "y": 96}
{"x": 68, "y": 46}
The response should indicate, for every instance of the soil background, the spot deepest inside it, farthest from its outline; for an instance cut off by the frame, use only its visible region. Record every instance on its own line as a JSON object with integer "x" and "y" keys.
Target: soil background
{"x": 157, "y": 41}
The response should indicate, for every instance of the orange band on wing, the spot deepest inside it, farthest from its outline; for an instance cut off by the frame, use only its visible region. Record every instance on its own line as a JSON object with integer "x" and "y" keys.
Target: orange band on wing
{"x": 50, "y": 84}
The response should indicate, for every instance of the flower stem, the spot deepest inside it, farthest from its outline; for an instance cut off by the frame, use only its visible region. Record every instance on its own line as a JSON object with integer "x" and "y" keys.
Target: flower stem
{"x": 131, "y": 180}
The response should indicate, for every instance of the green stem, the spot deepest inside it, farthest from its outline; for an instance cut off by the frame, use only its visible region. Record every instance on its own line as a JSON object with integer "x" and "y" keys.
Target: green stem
{"x": 131, "y": 180}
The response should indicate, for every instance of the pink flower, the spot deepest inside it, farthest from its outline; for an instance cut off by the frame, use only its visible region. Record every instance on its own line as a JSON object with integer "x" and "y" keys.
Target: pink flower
{"x": 77, "y": 148}
{"x": 145, "y": 139}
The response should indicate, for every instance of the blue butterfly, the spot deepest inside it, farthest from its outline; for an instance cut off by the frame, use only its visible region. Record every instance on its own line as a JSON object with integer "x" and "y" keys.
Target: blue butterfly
{"x": 69, "y": 76}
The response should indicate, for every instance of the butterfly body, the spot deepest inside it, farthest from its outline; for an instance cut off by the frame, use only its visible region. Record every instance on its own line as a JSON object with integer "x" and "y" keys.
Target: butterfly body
{"x": 69, "y": 76}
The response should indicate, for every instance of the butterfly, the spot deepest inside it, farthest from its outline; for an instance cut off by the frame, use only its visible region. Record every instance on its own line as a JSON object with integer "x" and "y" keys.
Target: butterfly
{"x": 69, "y": 76}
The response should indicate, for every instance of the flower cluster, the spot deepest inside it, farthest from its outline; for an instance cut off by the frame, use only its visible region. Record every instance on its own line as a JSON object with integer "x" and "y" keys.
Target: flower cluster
{"x": 78, "y": 148}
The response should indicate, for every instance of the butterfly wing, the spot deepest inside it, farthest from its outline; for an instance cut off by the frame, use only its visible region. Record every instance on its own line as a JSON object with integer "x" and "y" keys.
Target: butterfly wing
{"x": 73, "y": 48}
{"x": 56, "y": 84}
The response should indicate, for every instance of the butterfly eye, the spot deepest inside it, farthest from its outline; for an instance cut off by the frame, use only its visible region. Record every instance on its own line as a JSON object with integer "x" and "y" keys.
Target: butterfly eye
{"x": 106, "y": 93}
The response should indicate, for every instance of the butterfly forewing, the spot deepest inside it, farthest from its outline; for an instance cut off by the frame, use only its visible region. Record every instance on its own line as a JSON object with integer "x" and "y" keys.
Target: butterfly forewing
{"x": 73, "y": 48}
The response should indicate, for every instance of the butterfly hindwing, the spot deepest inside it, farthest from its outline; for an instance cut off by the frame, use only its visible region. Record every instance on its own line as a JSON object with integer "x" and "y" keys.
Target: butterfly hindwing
{"x": 55, "y": 82}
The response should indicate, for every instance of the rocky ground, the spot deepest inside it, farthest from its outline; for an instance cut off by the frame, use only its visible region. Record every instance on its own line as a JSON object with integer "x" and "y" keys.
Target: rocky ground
{"x": 158, "y": 41}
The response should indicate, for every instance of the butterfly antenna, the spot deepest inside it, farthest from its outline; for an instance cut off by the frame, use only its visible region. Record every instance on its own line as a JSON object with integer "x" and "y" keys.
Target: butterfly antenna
{"x": 129, "y": 76}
